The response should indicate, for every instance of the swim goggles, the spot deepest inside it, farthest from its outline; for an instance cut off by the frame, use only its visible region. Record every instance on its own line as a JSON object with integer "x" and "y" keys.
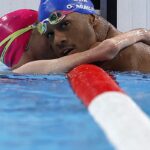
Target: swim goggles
{"x": 53, "y": 19}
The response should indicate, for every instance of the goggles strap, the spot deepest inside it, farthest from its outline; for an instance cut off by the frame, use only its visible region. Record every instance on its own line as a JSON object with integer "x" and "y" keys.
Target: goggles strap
{"x": 11, "y": 38}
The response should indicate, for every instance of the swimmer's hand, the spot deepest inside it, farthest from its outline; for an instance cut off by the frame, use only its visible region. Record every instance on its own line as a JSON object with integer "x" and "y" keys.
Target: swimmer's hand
{"x": 146, "y": 36}
{"x": 94, "y": 45}
{"x": 111, "y": 47}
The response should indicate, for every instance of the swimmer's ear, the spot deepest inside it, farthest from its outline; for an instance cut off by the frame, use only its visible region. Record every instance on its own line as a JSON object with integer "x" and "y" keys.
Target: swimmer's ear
{"x": 93, "y": 19}
{"x": 100, "y": 26}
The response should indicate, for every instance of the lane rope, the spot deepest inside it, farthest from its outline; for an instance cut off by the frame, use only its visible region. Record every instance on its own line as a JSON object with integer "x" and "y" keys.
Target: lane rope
{"x": 124, "y": 123}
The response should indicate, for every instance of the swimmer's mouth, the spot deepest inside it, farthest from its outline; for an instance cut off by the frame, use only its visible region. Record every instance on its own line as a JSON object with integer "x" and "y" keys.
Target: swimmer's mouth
{"x": 67, "y": 51}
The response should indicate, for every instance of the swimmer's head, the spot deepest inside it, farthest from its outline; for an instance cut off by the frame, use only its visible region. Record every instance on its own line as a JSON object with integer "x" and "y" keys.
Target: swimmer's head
{"x": 15, "y": 31}
{"x": 53, "y": 11}
{"x": 62, "y": 21}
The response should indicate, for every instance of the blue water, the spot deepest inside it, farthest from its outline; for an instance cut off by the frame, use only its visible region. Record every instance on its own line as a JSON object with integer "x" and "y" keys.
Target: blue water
{"x": 42, "y": 112}
{"x": 137, "y": 86}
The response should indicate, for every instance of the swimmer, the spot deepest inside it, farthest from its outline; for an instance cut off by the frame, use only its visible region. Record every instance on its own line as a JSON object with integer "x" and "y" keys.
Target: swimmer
{"x": 72, "y": 26}
{"x": 16, "y": 31}
{"x": 105, "y": 51}
{"x": 24, "y": 49}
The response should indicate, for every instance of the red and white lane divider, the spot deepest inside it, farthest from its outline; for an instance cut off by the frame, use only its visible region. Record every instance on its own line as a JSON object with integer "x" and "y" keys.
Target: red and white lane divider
{"x": 125, "y": 124}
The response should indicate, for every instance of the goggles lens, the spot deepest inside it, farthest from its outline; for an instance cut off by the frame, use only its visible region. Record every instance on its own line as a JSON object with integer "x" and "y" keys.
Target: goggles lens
{"x": 54, "y": 18}
{"x": 42, "y": 27}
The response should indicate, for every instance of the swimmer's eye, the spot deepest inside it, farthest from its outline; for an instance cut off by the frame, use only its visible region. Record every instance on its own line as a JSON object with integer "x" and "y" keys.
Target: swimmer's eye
{"x": 49, "y": 34}
{"x": 64, "y": 24}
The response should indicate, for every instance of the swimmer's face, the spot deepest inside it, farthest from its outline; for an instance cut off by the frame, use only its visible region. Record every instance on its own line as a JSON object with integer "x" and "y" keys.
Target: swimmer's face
{"x": 73, "y": 34}
{"x": 40, "y": 47}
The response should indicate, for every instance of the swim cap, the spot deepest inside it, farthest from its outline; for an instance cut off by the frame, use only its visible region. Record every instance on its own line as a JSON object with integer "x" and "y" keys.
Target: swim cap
{"x": 15, "y": 31}
{"x": 48, "y": 6}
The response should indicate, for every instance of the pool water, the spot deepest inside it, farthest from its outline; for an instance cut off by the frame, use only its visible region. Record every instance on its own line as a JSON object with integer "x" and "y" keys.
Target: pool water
{"x": 137, "y": 86}
{"x": 42, "y": 112}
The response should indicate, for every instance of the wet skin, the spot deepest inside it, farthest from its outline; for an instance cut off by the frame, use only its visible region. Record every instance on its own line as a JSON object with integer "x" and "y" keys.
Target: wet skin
{"x": 60, "y": 40}
{"x": 78, "y": 32}
{"x": 38, "y": 48}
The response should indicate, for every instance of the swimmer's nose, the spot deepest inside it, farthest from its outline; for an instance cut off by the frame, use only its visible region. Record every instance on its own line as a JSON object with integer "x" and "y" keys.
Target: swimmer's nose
{"x": 59, "y": 39}
{"x": 60, "y": 43}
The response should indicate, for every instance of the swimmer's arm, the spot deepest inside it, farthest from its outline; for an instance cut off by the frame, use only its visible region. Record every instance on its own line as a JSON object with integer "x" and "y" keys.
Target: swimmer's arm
{"x": 105, "y": 50}
{"x": 59, "y": 65}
